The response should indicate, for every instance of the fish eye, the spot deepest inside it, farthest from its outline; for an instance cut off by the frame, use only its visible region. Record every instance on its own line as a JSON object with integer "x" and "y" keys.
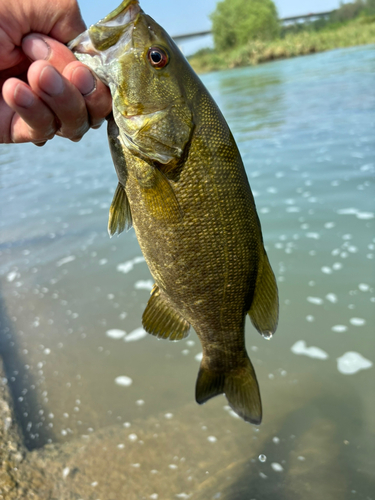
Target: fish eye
{"x": 158, "y": 57}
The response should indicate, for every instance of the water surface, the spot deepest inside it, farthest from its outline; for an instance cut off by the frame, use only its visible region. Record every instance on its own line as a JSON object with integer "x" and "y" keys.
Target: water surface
{"x": 71, "y": 299}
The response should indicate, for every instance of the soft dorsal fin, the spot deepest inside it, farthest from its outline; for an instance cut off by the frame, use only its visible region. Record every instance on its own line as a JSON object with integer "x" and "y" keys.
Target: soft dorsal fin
{"x": 120, "y": 216}
{"x": 264, "y": 310}
{"x": 162, "y": 320}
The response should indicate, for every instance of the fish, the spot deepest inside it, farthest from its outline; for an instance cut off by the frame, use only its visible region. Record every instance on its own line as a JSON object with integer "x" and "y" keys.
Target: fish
{"x": 183, "y": 187}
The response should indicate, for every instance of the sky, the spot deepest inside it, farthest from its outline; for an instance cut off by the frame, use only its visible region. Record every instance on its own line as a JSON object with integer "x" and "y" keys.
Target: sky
{"x": 179, "y": 17}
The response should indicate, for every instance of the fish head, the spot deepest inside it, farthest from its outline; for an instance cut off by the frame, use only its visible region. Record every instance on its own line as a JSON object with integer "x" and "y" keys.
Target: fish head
{"x": 144, "y": 70}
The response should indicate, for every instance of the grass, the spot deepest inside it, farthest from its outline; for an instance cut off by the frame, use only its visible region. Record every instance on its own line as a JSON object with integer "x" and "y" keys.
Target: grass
{"x": 358, "y": 32}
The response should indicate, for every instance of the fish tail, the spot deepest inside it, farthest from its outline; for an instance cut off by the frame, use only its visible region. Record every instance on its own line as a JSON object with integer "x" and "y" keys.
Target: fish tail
{"x": 239, "y": 385}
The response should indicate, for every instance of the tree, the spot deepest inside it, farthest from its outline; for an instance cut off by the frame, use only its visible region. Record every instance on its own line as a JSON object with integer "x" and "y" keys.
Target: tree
{"x": 236, "y": 22}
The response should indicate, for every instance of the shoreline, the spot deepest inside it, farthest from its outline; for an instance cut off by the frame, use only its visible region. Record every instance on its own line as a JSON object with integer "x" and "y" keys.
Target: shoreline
{"x": 356, "y": 33}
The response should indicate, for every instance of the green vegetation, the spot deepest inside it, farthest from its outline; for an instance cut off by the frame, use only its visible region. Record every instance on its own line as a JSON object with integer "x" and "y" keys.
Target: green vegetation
{"x": 237, "y": 22}
{"x": 351, "y": 24}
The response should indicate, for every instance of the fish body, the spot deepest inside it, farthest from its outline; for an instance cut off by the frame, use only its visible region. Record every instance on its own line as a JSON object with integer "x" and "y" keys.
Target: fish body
{"x": 183, "y": 187}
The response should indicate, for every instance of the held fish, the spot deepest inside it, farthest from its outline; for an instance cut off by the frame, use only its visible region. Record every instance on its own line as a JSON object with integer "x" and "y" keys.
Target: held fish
{"x": 183, "y": 187}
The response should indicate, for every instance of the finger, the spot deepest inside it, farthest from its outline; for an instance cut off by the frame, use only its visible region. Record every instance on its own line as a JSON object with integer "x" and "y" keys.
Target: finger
{"x": 41, "y": 47}
{"x": 25, "y": 117}
{"x": 62, "y": 97}
{"x": 96, "y": 95}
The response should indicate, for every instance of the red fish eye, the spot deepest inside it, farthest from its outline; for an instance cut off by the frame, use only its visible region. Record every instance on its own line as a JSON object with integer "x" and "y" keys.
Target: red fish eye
{"x": 157, "y": 57}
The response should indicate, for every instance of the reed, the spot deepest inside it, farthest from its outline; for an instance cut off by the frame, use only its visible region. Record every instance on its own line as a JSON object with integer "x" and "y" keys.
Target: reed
{"x": 358, "y": 32}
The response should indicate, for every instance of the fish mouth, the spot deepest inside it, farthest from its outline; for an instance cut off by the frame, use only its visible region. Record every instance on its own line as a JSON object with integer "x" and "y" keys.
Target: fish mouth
{"x": 118, "y": 21}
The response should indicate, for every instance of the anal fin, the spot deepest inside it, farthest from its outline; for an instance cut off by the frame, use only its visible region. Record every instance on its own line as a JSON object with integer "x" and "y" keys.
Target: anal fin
{"x": 120, "y": 216}
{"x": 264, "y": 310}
{"x": 162, "y": 320}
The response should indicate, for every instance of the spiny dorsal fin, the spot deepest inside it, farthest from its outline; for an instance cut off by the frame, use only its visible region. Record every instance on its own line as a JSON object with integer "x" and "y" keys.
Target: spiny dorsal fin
{"x": 160, "y": 199}
{"x": 264, "y": 310}
{"x": 162, "y": 320}
{"x": 239, "y": 385}
{"x": 120, "y": 216}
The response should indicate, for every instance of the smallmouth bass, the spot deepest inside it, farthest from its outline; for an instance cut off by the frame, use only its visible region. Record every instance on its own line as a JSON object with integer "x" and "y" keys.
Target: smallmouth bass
{"x": 183, "y": 187}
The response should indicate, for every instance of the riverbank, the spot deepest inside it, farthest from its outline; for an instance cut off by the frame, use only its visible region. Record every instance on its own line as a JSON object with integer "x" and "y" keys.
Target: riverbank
{"x": 358, "y": 32}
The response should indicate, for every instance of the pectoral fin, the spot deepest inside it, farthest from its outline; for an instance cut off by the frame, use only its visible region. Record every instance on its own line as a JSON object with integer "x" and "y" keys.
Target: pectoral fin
{"x": 159, "y": 197}
{"x": 162, "y": 320}
{"x": 120, "y": 216}
{"x": 264, "y": 310}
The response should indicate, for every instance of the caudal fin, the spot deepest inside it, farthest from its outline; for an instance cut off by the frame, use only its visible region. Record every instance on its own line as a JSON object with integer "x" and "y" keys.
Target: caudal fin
{"x": 239, "y": 385}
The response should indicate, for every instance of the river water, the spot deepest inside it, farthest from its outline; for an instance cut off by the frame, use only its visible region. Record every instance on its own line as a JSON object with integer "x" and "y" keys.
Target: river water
{"x": 71, "y": 298}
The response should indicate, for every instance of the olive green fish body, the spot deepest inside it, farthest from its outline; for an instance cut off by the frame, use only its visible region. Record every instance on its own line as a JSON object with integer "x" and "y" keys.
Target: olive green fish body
{"x": 183, "y": 187}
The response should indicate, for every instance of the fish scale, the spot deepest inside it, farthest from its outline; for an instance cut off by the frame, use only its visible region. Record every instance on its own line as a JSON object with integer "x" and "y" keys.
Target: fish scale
{"x": 183, "y": 187}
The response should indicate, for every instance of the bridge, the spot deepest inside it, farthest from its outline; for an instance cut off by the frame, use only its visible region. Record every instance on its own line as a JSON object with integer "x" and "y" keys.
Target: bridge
{"x": 284, "y": 20}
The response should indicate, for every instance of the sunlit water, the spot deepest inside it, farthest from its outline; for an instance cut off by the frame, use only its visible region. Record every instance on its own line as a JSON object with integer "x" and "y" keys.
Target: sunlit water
{"x": 72, "y": 299}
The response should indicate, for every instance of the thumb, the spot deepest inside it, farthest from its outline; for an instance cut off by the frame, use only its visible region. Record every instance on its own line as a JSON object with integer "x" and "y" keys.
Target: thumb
{"x": 41, "y": 47}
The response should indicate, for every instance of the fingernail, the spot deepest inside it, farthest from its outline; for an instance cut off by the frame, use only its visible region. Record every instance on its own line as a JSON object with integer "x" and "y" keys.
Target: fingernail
{"x": 51, "y": 82}
{"x": 84, "y": 80}
{"x": 35, "y": 47}
{"x": 23, "y": 96}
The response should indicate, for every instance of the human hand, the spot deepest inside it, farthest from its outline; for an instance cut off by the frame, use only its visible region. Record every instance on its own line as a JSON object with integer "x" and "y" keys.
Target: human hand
{"x": 61, "y": 96}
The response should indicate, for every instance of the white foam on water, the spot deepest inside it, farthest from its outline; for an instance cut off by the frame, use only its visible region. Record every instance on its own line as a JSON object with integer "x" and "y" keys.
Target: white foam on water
{"x": 65, "y": 472}
{"x": 339, "y": 328}
{"x": 326, "y": 270}
{"x": 276, "y": 440}
{"x": 352, "y": 362}
{"x": 347, "y": 211}
{"x": 65, "y": 260}
{"x": 337, "y": 266}
{"x": 212, "y": 439}
{"x": 312, "y": 352}
{"x": 315, "y": 300}
{"x": 137, "y": 334}
{"x": 332, "y": 298}
{"x": 310, "y": 318}
{"x": 102, "y": 262}
{"x": 133, "y": 437}
{"x": 357, "y": 321}
{"x": 364, "y": 287}
{"x": 123, "y": 380}
{"x": 352, "y": 249}
{"x": 127, "y": 266}
{"x": 365, "y": 215}
{"x": 233, "y": 414}
{"x": 277, "y": 467}
{"x": 314, "y": 236}
{"x": 144, "y": 285}
{"x": 115, "y": 334}
{"x": 12, "y": 276}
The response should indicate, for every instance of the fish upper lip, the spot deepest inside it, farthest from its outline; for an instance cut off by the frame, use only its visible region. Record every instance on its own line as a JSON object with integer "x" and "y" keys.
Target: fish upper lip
{"x": 122, "y": 16}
